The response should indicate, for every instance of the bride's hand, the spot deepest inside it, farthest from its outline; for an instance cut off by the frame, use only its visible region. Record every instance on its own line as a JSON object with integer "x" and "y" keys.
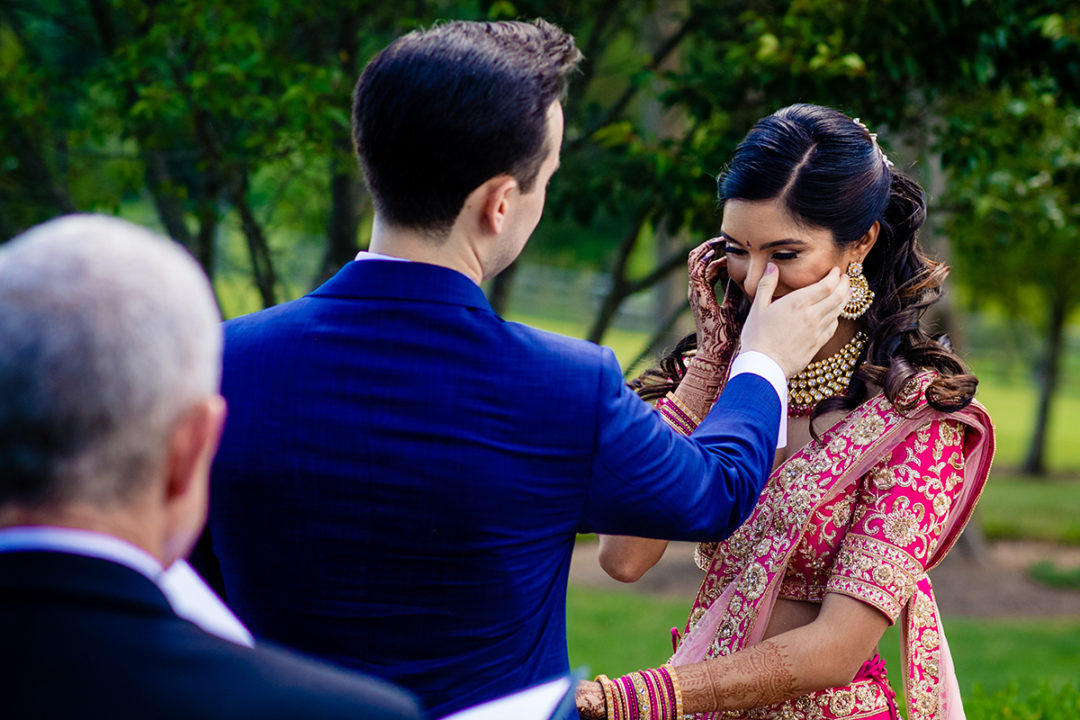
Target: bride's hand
{"x": 716, "y": 324}
{"x": 589, "y": 697}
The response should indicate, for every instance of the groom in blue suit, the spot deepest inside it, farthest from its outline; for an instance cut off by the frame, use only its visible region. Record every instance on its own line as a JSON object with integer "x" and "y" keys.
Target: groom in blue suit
{"x": 403, "y": 472}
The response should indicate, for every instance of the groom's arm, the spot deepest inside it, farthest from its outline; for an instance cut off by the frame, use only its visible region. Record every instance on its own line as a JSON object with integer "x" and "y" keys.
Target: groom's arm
{"x": 649, "y": 481}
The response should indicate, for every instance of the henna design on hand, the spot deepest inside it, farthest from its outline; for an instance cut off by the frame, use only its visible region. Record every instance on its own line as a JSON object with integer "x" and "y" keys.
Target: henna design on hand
{"x": 717, "y": 324}
{"x": 589, "y": 697}
{"x": 718, "y": 329}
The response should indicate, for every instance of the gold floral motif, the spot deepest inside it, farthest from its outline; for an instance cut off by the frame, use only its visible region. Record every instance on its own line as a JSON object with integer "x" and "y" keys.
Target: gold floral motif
{"x": 754, "y": 581}
{"x": 883, "y": 477}
{"x": 929, "y": 639}
{"x": 883, "y": 575}
{"x": 842, "y": 702}
{"x": 942, "y": 503}
{"x": 901, "y": 527}
{"x": 867, "y": 430}
{"x": 952, "y": 433}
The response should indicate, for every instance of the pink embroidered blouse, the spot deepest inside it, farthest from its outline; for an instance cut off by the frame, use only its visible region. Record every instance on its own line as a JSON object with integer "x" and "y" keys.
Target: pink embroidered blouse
{"x": 874, "y": 539}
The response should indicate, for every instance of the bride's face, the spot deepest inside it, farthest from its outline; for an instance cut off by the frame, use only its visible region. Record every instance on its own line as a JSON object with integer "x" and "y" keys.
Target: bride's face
{"x": 758, "y": 232}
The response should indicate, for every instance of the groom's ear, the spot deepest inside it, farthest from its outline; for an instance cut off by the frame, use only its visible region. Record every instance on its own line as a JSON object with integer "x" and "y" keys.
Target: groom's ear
{"x": 494, "y": 200}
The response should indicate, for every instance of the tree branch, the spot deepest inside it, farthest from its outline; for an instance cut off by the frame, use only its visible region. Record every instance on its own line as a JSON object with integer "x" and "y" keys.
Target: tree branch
{"x": 658, "y": 57}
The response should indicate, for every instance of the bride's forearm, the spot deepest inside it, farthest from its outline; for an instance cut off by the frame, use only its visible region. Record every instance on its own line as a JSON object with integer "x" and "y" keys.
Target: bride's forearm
{"x": 759, "y": 675}
{"x": 701, "y": 384}
{"x": 687, "y": 405}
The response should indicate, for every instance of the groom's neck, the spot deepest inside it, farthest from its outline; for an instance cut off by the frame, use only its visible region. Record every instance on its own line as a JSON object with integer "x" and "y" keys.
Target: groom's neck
{"x": 453, "y": 250}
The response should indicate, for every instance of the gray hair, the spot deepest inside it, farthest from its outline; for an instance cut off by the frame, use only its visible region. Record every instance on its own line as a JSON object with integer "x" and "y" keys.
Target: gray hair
{"x": 108, "y": 334}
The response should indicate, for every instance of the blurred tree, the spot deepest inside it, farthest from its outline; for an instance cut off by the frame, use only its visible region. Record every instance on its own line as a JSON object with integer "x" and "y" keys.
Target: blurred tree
{"x": 1015, "y": 156}
{"x": 886, "y": 62}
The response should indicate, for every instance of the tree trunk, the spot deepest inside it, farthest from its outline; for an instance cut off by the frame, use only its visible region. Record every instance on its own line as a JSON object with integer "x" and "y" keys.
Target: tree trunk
{"x": 619, "y": 282}
{"x": 659, "y": 338}
{"x": 204, "y": 246}
{"x": 262, "y": 263}
{"x": 346, "y": 186}
{"x": 170, "y": 208}
{"x": 346, "y": 205}
{"x": 1035, "y": 463}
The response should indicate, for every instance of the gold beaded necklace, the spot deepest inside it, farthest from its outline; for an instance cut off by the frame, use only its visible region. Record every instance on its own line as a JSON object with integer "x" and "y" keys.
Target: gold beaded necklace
{"x": 824, "y": 378}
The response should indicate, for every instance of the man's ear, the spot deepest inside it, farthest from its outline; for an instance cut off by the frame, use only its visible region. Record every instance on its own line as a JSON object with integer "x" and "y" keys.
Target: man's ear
{"x": 497, "y": 195}
{"x": 192, "y": 445}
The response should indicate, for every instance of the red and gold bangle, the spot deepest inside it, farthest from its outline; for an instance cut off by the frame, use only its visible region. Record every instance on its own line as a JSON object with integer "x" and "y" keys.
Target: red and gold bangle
{"x": 664, "y": 709}
{"x": 690, "y": 414}
{"x": 676, "y": 690}
{"x": 674, "y": 417}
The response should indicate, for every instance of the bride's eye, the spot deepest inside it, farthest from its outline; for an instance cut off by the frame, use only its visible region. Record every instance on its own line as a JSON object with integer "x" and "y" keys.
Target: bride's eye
{"x": 785, "y": 256}
{"x": 734, "y": 250}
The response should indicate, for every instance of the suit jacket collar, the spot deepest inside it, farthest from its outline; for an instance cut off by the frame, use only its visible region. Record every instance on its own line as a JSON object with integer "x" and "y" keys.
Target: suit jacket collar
{"x": 82, "y": 580}
{"x": 393, "y": 280}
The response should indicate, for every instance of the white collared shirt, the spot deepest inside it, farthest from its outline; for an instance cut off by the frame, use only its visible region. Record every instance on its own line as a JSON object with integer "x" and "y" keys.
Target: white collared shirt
{"x": 188, "y": 594}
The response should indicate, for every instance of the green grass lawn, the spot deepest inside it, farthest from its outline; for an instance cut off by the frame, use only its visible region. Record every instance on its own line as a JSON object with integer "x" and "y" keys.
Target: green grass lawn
{"x": 615, "y": 633}
{"x": 1016, "y": 507}
{"x": 1012, "y": 408}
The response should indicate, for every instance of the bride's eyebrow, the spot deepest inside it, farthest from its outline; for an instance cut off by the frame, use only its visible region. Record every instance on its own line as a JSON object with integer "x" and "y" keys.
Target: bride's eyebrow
{"x": 785, "y": 241}
{"x": 730, "y": 239}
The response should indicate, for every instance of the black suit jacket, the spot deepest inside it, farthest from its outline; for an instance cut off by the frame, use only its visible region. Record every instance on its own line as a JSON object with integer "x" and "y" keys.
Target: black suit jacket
{"x": 87, "y": 638}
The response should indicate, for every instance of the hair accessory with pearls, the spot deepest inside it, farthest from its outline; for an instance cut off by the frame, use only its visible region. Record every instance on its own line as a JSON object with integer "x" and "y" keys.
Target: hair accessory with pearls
{"x": 873, "y": 138}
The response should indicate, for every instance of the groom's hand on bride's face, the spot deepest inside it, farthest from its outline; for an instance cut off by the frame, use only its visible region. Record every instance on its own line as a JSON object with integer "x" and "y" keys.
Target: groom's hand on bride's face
{"x": 793, "y": 328}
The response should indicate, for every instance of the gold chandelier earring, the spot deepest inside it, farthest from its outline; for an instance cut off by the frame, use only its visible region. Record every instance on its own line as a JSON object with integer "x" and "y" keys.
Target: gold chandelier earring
{"x": 861, "y": 294}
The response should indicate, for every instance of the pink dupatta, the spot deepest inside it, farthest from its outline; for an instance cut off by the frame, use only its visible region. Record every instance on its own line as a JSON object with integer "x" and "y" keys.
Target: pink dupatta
{"x": 740, "y": 588}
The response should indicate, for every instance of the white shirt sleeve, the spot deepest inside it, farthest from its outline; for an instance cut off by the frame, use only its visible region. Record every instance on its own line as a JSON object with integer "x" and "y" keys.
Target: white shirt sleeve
{"x": 763, "y": 366}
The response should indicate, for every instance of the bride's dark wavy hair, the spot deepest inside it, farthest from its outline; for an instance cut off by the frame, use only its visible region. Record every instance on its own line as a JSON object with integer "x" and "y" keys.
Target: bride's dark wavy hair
{"x": 829, "y": 172}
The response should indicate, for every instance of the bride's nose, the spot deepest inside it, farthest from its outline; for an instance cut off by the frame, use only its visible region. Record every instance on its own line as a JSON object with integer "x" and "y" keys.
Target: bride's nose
{"x": 754, "y": 270}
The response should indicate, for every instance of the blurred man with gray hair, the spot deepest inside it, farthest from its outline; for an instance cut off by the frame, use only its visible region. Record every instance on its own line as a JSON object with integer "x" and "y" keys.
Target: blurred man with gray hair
{"x": 110, "y": 353}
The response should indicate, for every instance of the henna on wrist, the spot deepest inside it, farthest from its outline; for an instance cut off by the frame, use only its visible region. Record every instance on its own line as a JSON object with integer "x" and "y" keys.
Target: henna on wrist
{"x": 589, "y": 698}
{"x": 756, "y": 676}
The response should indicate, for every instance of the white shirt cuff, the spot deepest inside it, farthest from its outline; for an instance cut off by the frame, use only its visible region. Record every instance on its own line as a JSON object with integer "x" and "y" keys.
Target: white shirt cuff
{"x": 763, "y": 366}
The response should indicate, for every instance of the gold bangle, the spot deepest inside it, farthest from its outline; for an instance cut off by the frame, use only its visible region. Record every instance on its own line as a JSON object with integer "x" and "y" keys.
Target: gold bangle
{"x": 644, "y": 707}
{"x": 678, "y": 690}
{"x": 609, "y": 704}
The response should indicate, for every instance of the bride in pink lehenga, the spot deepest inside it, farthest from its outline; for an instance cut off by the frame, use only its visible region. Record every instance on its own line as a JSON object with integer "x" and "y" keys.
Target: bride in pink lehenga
{"x": 862, "y": 502}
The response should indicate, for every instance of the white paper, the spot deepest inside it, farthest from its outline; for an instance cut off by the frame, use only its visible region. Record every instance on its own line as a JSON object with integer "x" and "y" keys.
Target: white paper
{"x": 536, "y": 703}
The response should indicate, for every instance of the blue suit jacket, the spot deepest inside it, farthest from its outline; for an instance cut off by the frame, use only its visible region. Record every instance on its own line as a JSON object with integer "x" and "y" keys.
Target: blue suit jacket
{"x": 403, "y": 473}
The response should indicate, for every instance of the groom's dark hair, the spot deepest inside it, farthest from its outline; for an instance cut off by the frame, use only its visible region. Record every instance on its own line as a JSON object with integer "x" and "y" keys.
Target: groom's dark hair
{"x": 441, "y": 111}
